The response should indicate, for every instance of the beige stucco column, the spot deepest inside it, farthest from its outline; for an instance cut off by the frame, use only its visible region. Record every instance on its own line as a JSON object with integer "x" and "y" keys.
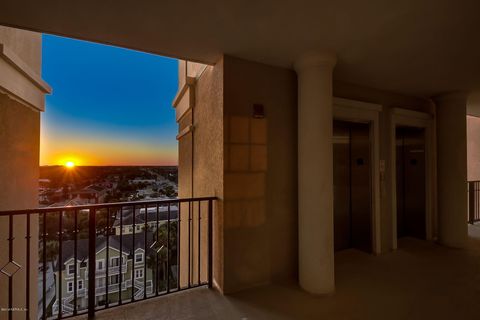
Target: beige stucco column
{"x": 315, "y": 172}
{"x": 452, "y": 168}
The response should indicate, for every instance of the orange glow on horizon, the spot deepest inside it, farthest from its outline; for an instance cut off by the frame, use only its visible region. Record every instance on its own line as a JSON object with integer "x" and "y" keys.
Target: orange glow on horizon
{"x": 84, "y": 151}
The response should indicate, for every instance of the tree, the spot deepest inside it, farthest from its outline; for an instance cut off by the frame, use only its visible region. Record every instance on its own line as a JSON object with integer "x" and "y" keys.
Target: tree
{"x": 159, "y": 253}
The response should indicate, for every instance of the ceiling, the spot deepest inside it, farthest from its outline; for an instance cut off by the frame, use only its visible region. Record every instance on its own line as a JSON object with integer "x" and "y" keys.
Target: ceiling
{"x": 415, "y": 47}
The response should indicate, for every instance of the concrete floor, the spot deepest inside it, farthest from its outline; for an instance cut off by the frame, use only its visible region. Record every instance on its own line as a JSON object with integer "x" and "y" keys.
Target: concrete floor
{"x": 421, "y": 280}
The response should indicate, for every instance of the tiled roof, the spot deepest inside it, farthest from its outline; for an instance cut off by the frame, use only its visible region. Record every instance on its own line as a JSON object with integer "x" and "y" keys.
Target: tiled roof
{"x": 101, "y": 242}
{"x": 127, "y": 216}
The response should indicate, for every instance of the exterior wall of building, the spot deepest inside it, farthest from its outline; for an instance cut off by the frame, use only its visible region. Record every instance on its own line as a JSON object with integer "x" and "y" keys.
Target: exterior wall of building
{"x": 473, "y": 148}
{"x": 27, "y": 45}
{"x": 256, "y": 235}
{"x": 19, "y": 150}
{"x": 260, "y": 203}
{"x": 200, "y": 145}
{"x": 82, "y": 274}
{"x": 248, "y": 163}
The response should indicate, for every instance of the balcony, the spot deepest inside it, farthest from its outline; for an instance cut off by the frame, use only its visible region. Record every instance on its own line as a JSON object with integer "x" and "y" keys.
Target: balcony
{"x": 174, "y": 255}
{"x": 420, "y": 281}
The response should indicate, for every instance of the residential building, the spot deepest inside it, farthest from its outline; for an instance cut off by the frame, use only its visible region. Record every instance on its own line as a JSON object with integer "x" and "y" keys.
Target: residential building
{"x": 155, "y": 219}
{"x": 50, "y": 288}
{"x": 93, "y": 193}
{"x": 123, "y": 263}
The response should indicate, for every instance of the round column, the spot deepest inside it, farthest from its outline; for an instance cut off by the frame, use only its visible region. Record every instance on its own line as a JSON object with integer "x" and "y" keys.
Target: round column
{"x": 452, "y": 169}
{"x": 315, "y": 172}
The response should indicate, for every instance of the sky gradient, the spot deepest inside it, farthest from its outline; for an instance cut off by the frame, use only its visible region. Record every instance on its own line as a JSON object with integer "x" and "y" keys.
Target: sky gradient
{"x": 109, "y": 105}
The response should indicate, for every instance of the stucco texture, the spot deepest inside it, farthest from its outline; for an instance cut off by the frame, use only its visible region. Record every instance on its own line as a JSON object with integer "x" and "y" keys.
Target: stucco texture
{"x": 260, "y": 217}
{"x": 19, "y": 156}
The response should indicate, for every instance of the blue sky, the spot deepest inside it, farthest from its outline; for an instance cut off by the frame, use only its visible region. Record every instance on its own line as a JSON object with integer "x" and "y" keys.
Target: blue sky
{"x": 109, "y": 105}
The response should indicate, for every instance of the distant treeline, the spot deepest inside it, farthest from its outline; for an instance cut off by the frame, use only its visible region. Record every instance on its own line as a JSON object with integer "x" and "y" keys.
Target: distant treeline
{"x": 86, "y": 175}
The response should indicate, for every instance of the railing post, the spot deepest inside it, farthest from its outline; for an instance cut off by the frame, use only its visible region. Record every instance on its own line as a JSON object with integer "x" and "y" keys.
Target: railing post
{"x": 471, "y": 202}
{"x": 210, "y": 244}
{"x": 92, "y": 234}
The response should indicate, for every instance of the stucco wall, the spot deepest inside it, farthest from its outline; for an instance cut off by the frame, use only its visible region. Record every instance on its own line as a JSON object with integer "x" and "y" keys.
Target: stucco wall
{"x": 26, "y": 44}
{"x": 257, "y": 184}
{"x": 473, "y": 148}
{"x": 19, "y": 161}
{"x": 452, "y": 170}
{"x": 19, "y": 156}
{"x": 208, "y": 160}
{"x": 260, "y": 218}
{"x": 201, "y": 164}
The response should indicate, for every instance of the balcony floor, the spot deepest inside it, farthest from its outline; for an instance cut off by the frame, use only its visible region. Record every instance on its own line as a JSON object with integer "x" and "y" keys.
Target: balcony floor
{"x": 420, "y": 280}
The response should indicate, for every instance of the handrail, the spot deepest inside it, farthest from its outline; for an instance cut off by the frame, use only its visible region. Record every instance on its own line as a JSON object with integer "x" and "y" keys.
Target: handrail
{"x": 61, "y": 240}
{"x": 101, "y": 206}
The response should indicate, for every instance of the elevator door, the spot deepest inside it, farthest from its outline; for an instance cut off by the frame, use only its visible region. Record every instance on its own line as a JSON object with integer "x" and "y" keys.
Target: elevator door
{"x": 352, "y": 186}
{"x": 410, "y": 161}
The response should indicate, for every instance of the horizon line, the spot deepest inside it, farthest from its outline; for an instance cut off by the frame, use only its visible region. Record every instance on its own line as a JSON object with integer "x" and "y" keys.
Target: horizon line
{"x": 113, "y": 165}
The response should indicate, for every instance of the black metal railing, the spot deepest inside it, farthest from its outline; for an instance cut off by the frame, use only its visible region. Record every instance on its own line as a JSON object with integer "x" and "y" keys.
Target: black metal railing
{"x": 94, "y": 257}
{"x": 473, "y": 201}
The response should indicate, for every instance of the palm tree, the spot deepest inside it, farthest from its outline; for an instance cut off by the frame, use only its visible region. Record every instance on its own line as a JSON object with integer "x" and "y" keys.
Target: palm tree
{"x": 157, "y": 256}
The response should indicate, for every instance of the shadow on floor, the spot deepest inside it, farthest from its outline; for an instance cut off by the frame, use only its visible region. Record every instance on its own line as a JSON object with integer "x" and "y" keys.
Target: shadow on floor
{"x": 421, "y": 280}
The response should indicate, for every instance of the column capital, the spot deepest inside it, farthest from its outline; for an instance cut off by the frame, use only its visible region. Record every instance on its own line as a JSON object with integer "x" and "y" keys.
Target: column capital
{"x": 314, "y": 59}
{"x": 457, "y": 97}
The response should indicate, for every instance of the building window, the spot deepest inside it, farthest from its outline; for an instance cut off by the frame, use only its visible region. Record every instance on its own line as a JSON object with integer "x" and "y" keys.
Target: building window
{"x": 114, "y": 279}
{"x": 80, "y": 284}
{"x": 130, "y": 229}
{"x": 114, "y": 262}
{"x": 138, "y": 257}
{"x": 100, "y": 282}
{"x": 100, "y": 265}
{"x": 69, "y": 286}
{"x": 71, "y": 269}
{"x": 138, "y": 273}
{"x": 138, "y": 228}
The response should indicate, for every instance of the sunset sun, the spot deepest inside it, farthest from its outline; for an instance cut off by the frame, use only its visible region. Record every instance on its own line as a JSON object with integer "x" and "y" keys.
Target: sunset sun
{"x": 69, "y": 164}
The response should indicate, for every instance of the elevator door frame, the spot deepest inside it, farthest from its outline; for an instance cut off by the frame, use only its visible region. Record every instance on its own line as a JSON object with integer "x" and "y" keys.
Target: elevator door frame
{"x": 403, "y": 117}
{"x": 362, "y": 112}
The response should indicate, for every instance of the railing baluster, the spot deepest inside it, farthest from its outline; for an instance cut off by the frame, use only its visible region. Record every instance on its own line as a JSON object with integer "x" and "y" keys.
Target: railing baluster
{"x": 162, "y": 265}
{"x": 121, "y": 259}
{"x": 168, "y": 248}
{"x": 210, "y": 244}
{"x": 471, "y": 202}
{"x": 145, "y": 254}
{"x": 60, "y": 262}
{"x": 477, "y": 194}
{"x": 199, "y": 239}
{"x": 476, "y": 211}
{"x": 189, "y": 241}
{"x": 44, "y": 284}
{"x": 107, "y": 228}
{"x": 92, "y": 234}
{"x": 179, "y": 269}
{"x": 27, "y": 271}
{"x": 133, "y": 254}
{"x": 10, "y": 258}
{"x": 156, "y": 256}
{"x": 75, "y": 260}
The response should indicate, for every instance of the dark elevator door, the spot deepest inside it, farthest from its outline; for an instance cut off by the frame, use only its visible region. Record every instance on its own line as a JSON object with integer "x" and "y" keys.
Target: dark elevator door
{"x": 352, "y": 186}
{"x": 410, "y": 161}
